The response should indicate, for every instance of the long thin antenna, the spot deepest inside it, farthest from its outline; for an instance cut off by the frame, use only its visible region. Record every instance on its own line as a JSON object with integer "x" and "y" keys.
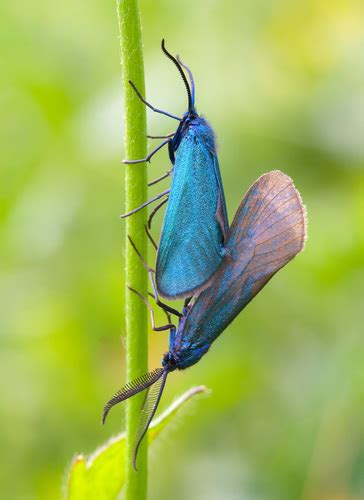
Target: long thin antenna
{"x": 192, "y": 81}
{"x": 179, "y": 67}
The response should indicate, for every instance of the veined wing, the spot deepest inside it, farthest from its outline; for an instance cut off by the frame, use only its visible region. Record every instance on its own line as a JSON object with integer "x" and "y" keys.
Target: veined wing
{"x": 195, "y": 225}
{"x": 268, "y": 230}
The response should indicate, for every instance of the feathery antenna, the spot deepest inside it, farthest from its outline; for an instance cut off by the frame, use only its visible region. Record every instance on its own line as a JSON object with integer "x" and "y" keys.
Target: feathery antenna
{"x": 131, "y": 388}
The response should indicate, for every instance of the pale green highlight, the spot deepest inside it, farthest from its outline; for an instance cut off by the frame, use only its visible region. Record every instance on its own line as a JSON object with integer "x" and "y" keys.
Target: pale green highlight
{"x": 135, "y": 195}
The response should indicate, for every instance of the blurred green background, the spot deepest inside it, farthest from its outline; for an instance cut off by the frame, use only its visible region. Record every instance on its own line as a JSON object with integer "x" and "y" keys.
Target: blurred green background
{"x": 282, "y": 84}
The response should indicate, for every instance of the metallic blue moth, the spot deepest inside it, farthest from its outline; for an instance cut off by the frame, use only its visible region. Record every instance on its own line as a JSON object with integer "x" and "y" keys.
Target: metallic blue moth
{"x": 268, "y": 230}
{"x": 196, "y": 204}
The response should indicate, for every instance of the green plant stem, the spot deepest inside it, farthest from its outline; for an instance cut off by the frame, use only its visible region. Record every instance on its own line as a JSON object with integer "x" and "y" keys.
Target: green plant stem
{"x": 135, "y": 195}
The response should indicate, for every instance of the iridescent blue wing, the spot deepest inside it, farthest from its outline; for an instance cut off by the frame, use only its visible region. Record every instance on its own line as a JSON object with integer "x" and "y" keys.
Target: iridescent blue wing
{"x": 195, "y": 225}
{"x": 268, "y": 230}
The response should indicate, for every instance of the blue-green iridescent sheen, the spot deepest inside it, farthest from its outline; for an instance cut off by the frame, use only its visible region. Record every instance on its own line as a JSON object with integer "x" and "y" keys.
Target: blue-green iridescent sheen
{"x": 191, "y": 246}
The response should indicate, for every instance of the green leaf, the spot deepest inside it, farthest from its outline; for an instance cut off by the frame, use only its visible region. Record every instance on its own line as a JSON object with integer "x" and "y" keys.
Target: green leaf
{"x": 77, "y": 479}
{"x": 102, "y": 475}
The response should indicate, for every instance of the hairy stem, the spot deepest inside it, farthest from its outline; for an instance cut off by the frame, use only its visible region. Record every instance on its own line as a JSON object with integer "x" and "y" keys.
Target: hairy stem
{"x": 135, "y": 195}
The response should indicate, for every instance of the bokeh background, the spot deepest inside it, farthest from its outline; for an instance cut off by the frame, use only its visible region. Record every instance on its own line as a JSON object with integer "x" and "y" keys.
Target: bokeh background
{"x": 282, "y": 83}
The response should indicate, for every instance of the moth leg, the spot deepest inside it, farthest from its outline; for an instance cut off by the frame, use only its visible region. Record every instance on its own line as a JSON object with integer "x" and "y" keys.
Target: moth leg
{"x": 155, "y": 210}
{"x": 171, "y": 150}
{"x": 166, "y": 309}
{"x": 164, "y": 176}
{"x": 151, "y": 310}
{"x": 169, "y": 319}
{"x": 187, "y": 301}
{"x": 161, "y": 304}
{"x": 156, "y": 110}
{"x": 186, "y": 305}
{"x": 143, "y": 205}
{"x": 149, "y": 156}
{"x": 161, "y": 136}
{"x": 151, "y": 271}
{"x": 150, "y": 237}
